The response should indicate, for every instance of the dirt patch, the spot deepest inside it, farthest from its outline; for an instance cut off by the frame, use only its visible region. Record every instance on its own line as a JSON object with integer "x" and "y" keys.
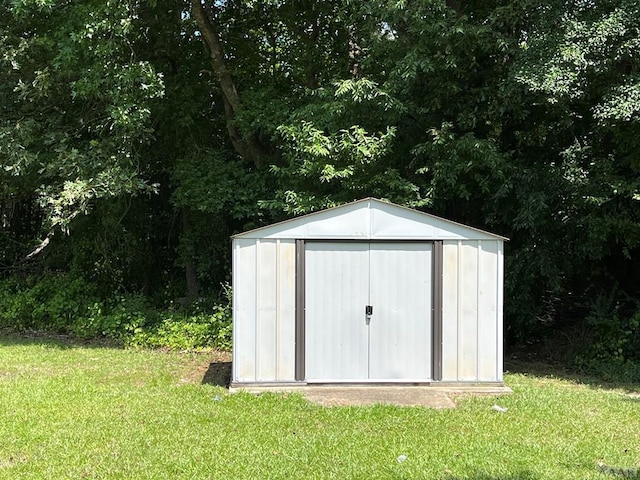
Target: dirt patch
{"x": 219, "y": 357}
{"x": 212, "y": 368}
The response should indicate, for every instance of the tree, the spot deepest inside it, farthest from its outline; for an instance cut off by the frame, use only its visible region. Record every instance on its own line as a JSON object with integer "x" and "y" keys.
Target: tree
{"x": 579, "y": 62}
{"x": 76, "y": 106}
{"x": 151, "y": 133}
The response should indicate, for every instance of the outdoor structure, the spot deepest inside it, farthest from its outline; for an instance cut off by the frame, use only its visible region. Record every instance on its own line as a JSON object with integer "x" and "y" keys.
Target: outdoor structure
{"x": 367, "y": 292}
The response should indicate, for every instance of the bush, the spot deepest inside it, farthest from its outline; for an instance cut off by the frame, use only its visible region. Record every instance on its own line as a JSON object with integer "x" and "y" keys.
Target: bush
{"x": 613, "y": 343}
{"x": 627, "y": 372}
{"x": 616, "y": 335}
{"x": 51, "y": 302}
{"x": 118, "y": 318}
{"x": 184, "y": 332}
{"x": 63, "y": 304}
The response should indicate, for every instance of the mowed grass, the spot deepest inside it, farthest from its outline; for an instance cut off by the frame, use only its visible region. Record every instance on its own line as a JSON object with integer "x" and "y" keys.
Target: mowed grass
{"x": 96, "y": 412}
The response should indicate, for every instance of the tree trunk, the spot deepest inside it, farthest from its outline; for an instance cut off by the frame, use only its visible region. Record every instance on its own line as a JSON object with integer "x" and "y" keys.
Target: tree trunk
{"x": 246, "y": 145}
{"x": 191, "y": 273}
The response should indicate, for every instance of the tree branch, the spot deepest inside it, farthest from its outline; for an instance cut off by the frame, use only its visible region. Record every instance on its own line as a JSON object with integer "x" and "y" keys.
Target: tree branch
{"x": 39, "y": 248}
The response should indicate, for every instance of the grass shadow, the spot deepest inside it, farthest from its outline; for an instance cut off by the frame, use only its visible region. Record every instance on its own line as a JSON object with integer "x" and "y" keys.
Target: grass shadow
{"x": 541, "y": 368}
{"x": 218, "y": 374}
{"x": 524, "y": 475}
{"x": 53, "y": 340}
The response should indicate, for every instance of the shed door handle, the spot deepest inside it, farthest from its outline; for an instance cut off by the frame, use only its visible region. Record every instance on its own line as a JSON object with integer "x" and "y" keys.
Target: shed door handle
{"x": 368, "y": 310}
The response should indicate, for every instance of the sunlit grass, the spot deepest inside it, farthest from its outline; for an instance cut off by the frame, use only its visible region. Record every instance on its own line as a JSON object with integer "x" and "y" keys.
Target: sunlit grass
{"x": 85, "y": 412}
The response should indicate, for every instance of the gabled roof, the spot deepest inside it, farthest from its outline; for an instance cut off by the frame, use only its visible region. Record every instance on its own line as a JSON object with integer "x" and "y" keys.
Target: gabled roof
{"x": 369, "y": 219}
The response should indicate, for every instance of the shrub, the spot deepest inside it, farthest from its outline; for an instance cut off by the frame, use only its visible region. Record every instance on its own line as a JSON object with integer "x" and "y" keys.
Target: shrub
{"x": 201, "y": 324}
{"x": 118, "y": 318}
{"x": 613, "y": 344}
{"x": 51, "y": 302}
{"x": 63, "y": 304}
{"x": 183, "y": 332}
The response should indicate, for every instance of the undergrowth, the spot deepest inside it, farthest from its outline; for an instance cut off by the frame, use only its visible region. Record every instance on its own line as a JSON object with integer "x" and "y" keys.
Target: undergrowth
{"x": 62, "y": 304}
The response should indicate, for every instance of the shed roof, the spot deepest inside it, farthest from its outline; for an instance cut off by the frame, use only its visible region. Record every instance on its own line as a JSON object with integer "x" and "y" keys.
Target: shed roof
{"x": 369, "y": 219}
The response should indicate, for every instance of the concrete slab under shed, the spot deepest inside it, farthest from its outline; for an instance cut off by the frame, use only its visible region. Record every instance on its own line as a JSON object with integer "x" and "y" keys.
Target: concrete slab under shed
{"x": 358, "y": 395}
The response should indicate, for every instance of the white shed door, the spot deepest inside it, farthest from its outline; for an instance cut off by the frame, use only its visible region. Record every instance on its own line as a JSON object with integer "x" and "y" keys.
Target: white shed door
{"x": 342, "y": 344}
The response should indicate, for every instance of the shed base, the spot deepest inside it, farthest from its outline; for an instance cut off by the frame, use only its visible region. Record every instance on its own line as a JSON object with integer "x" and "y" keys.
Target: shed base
{"x": 430, "y": 396}
{"x": 455, "y": 388}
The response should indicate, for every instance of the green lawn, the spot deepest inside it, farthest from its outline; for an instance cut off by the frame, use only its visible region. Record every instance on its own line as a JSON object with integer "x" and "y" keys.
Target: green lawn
{"x": 97, "y": 412}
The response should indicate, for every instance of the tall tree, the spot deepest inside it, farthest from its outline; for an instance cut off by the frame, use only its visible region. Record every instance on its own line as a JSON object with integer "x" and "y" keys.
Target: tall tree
{"x": 513, "y": 116}
{"x": 76, "y": 105}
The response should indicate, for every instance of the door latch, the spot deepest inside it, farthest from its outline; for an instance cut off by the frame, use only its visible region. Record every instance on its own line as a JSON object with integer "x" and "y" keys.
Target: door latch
{"x": 368, "y": 310}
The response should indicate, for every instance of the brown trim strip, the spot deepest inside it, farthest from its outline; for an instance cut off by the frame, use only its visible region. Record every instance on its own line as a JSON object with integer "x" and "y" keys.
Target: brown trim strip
{"x": 436, "y": 334}
{"x": 300, "y": 327}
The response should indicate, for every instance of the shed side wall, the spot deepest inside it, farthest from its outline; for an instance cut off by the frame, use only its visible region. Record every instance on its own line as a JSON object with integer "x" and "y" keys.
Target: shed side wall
{"x": 450, "y": 317}
{"x": 472, "y": 311}
{"x": 264, "y": 310}
{"x": 468, "y": 311}
{"x": 500, "y": 300}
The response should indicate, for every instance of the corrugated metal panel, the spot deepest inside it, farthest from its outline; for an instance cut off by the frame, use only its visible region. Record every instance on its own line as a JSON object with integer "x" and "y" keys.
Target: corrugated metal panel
{"x": 472, "y": 317}
{"x": 370, "y": 219}
{"x": 499, "y": 295}
{"x": 266, "y": 330}
{"x": 263, "y": 310}
{"x": 244, "y": 311}
{"x": 401, "y": 295}
{"x": 450, "y": 311}
{"x": 336, "y": 292}
{"x": 286, "y": 310}
{"x": 487, "y": 310}
{"x": 468, "y": 310}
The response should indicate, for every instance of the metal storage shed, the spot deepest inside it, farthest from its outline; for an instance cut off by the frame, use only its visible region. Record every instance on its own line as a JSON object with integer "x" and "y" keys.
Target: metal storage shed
{"x": 367, "y": 292}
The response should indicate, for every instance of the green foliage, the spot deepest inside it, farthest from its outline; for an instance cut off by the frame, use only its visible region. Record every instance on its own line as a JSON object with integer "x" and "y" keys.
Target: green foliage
{"x": 335, "y": 165}
{"x": 216, "y": 182}
{"x": 608, "y": 370}
{"x": 78, "y": 103}
{"x": 580, "y": 68}
{"x": 615, "y": 337}
{"x": 63, "y": 304}
{"x": 181, "y": 331}
{"x": 119, "y": 147}
{"x": 50, "y": 302}
{"x": 118, "y": 318}
{"x": 330, "y": 160}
